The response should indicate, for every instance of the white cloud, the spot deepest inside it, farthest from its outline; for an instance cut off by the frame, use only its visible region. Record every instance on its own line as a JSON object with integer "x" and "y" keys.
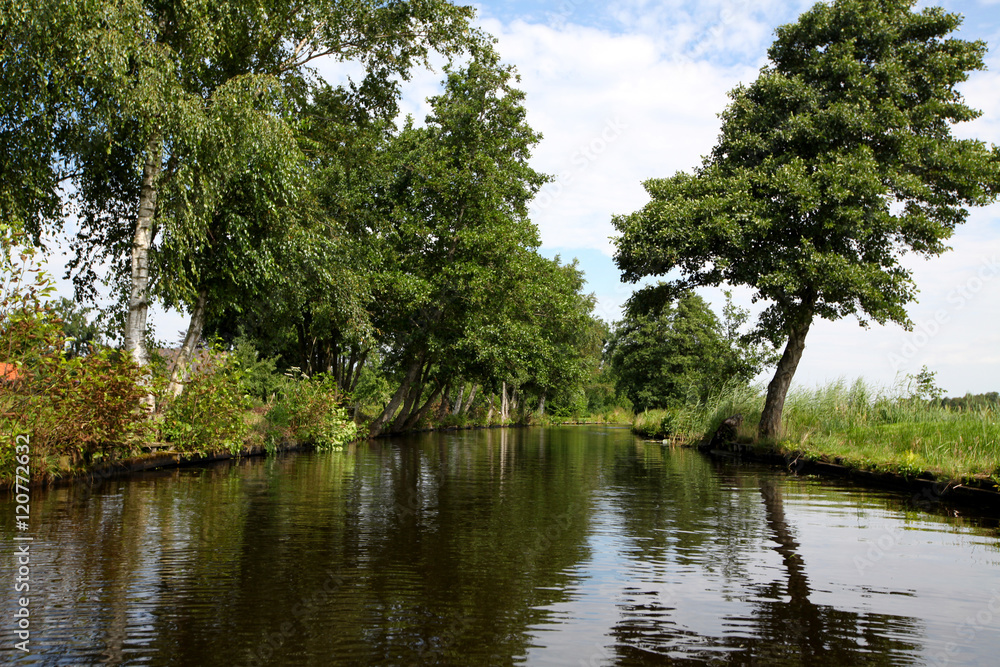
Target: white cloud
{"x": 658, "y": 79}
{"x": 614, "y": 110}
{"x": 637, "y": 98}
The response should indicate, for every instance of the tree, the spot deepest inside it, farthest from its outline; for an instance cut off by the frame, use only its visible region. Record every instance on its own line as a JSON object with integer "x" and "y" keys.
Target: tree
{"x": 664, "y": 351}
{"x": 923, "y": 386}
{"x": 179, "y": 111}
{"x": 459, "y": 226}
{"x": 834, "y": 163}
{"x": 540, "y": 338}
{"x": 81, "y": 334}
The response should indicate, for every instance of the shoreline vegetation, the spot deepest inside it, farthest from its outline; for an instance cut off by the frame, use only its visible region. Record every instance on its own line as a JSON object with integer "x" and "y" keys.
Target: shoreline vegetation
{"x": 79, "y": 409}
{"x": 347, "y": 270}
{"x": 850, "y": 429}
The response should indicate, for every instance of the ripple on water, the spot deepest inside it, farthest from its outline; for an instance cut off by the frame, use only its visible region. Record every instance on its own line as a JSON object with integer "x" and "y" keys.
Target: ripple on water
{"x": 547, "y": 547}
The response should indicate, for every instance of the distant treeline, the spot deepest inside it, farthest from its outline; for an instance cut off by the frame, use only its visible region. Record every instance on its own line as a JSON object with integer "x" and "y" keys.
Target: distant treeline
{"x": 971, "y": 401}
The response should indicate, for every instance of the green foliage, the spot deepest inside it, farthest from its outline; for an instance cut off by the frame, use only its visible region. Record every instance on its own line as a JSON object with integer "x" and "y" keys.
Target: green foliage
{"x": 187, "y": 117}
{"x": 211, "y": 412}
{"x": 72, "y": 408}
{"x": 309, "y": 411}
{"x": 888, "y": 429}
{"x": 697, "y": 418}
{"x": 853, "y": 424}
{"x": 923, "y": 385}
{"x": 260, "y": 379}
{"x": 81, "y": 333}
{"x": 573, "y": 405}
{"x": 973, "y": 402}
{"x": 834, "y": 163}
{"x": 373, "y": 389}
{"x": 664, "y": 352}
{"x": 602, "y": 395}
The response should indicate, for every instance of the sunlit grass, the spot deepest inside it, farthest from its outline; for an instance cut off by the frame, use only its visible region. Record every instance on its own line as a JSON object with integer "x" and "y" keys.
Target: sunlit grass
{"x": 857, "y": 425}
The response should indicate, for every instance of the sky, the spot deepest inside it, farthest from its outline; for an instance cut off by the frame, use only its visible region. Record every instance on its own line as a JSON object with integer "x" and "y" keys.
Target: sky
{"x": 631, "y": 90}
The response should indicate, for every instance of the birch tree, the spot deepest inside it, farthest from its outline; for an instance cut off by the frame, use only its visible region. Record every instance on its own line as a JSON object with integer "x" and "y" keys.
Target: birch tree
{"x": 190, "y": 101}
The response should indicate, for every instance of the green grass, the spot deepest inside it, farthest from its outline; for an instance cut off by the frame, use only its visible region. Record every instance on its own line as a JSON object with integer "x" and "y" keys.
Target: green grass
{"x": 857, "y": 425}
{"x": 697, "y": 418}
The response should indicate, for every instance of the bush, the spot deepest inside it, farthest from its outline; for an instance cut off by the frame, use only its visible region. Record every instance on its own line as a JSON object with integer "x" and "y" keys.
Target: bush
{"x": 260, "y": 379}
{"x": 93, "y": 407}
{"x": 210, "y": 414}
{"x": 84, "y": 407}
{"x": 309, "y": 411}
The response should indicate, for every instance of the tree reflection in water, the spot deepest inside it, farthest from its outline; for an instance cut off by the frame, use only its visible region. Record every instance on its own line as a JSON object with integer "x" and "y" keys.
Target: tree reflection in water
{"x": 776, "y": 622}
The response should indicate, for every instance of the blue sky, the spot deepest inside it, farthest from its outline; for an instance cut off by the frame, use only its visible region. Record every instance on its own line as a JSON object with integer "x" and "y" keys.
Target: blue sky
{"x": 631, "y": 90}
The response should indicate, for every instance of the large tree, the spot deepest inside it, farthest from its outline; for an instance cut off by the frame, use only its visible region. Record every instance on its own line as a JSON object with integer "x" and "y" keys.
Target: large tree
{"x": 834, "y": 163}
{"x": 171, "y": 115}
{"x": 459, "y": 194}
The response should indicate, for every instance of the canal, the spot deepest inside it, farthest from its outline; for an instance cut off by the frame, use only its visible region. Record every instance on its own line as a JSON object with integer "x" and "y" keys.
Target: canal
{"x": 559, "y": 546}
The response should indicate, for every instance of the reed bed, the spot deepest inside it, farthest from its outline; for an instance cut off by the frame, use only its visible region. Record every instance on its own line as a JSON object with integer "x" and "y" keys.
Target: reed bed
{"x": 857, "y": 424}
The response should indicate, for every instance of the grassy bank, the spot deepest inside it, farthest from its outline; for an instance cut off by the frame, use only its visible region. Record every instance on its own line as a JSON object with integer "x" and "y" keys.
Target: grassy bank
{"x": 855, "y": 425}
{"x": 616, "y": 416}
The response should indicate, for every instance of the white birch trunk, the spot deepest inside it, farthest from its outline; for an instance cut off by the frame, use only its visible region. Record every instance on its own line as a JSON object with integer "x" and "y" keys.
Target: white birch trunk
{"x": 504, "y": 405}
{"x": 138, "y": 304}
{"x": 470, "y": 399}
{"x": 182, "y": 365}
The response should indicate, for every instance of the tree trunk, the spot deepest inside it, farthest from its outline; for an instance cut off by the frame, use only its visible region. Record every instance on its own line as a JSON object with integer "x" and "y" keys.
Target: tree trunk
{"x": 774, "y": 405}
{"x": 416, "y": 389}
{"x": 541, "y": 405}
{"x": 138, "y": 303}
{"x": 422, "y": 412}
{"x": 457, "y": 407}
{"x": 806, "y": 630}
{"x": 397, "y": 398}
{"x": 356, "y": 372}
{"x": 183, "y": 363}
{"x": 337, "y": 363}
{"x": 504, "y": 407}
{"x": 445, "y": 407}
{"x": 471, "y": 397}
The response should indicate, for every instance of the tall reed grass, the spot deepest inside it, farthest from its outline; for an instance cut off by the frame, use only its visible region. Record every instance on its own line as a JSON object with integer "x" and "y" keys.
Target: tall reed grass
{"x": 855, "y": 424}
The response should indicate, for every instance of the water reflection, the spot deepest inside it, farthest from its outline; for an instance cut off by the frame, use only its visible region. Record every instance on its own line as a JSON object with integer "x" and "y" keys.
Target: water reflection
{"x": 564, "y": 546}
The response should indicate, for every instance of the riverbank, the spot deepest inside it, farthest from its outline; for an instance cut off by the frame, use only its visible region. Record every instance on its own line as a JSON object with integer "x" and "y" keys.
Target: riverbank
{"x": 925, "y": 487}
{"x": 162, "y": 455}
{"x": 854, "y": 431}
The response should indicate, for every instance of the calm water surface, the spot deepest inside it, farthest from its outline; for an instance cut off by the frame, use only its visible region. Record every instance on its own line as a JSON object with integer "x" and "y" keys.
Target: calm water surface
{"x": 569, "y": 546}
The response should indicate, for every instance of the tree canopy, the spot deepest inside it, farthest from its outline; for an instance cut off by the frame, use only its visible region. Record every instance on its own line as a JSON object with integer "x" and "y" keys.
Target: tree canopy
{"x": 177, "y": 120}
{"x": 667, "y": 351}
{"x": 837, "y": 161}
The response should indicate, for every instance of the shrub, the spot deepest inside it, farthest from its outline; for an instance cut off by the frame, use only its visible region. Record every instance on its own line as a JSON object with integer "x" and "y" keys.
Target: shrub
{"x": 309, "y": 411}
{"x": 84, "y": 407}
{"x": 210, "y": 412}
{"x": 260, "y": 379}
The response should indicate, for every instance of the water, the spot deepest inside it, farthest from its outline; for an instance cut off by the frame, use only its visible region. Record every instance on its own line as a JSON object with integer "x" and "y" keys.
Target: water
{"x": 570, "y": 546}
